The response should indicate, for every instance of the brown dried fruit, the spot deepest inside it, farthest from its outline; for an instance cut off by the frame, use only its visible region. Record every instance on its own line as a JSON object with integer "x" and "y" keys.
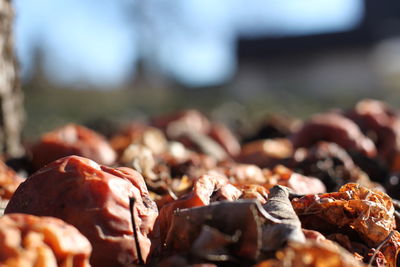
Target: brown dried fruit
{"x": 204, "y": 189}
{"x": 334, "y": 128}
{"x": 381, "y": 122}
{"x": 95, "y": 199}
{"x": 27, "y": 240}
{"x": 72, "y": 139}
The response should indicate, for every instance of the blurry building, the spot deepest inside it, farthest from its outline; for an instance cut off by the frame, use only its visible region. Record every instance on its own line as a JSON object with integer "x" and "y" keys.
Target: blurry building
{"x": 360, "y": 60}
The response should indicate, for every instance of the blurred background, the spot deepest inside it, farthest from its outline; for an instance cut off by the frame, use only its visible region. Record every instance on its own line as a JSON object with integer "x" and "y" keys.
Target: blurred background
{"x": 94, "y": 60}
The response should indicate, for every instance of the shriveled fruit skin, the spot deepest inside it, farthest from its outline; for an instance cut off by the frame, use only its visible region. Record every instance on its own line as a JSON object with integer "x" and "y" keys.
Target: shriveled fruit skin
{"x": 95, "y": 199}
{"x": 369, "y": 213}
{"x": 72, "y": 139}
{"x": 28, "y": 240}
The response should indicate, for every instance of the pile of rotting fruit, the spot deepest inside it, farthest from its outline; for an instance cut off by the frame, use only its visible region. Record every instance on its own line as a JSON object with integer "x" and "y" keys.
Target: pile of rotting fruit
{"x": 181, "y": 190}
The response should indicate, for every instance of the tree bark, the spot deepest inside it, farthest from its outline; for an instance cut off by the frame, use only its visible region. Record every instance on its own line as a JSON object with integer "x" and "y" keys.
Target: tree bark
{"x": 11, "y": 97}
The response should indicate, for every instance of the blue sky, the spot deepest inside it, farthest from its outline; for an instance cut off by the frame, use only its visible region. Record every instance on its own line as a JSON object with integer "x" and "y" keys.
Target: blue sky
{"x": 98, "y": 42}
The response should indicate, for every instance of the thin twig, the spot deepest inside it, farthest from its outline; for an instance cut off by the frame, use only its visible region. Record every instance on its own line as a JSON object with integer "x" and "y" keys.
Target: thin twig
{"x": 132, "y": 201}
{"x": 379, "y": 247}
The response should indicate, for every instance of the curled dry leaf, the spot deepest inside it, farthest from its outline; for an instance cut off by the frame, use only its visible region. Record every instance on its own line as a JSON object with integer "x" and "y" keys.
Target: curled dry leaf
{"x": 95, "y": 199}
{"x": 238, "y": 222}
{"x": 275, "y": 236}
{"x": 259, "y": 229}
{"x": 213, "y": 245}
{"x": 31, "y": 241}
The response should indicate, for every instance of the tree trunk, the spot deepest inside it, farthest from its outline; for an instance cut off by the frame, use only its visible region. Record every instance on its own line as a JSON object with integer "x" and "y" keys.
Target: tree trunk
{"x": 11, "y": 97}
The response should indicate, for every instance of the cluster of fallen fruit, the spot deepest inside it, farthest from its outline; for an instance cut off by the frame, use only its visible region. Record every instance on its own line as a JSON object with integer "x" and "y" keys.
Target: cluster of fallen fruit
{"x": 183, "y": 191}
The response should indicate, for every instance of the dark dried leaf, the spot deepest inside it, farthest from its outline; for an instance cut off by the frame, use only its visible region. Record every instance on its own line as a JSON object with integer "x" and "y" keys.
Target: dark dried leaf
{"x": 240, "y": 220}
{"x": 275, "y": 236}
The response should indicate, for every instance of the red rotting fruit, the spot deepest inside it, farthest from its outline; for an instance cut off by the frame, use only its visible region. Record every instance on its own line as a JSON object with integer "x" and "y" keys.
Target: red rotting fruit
{"x": 333, "y": 127}
{"x": 72, "y": 139}
{"x": 29, "y": 241}
{"x": 95, "y": 199}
